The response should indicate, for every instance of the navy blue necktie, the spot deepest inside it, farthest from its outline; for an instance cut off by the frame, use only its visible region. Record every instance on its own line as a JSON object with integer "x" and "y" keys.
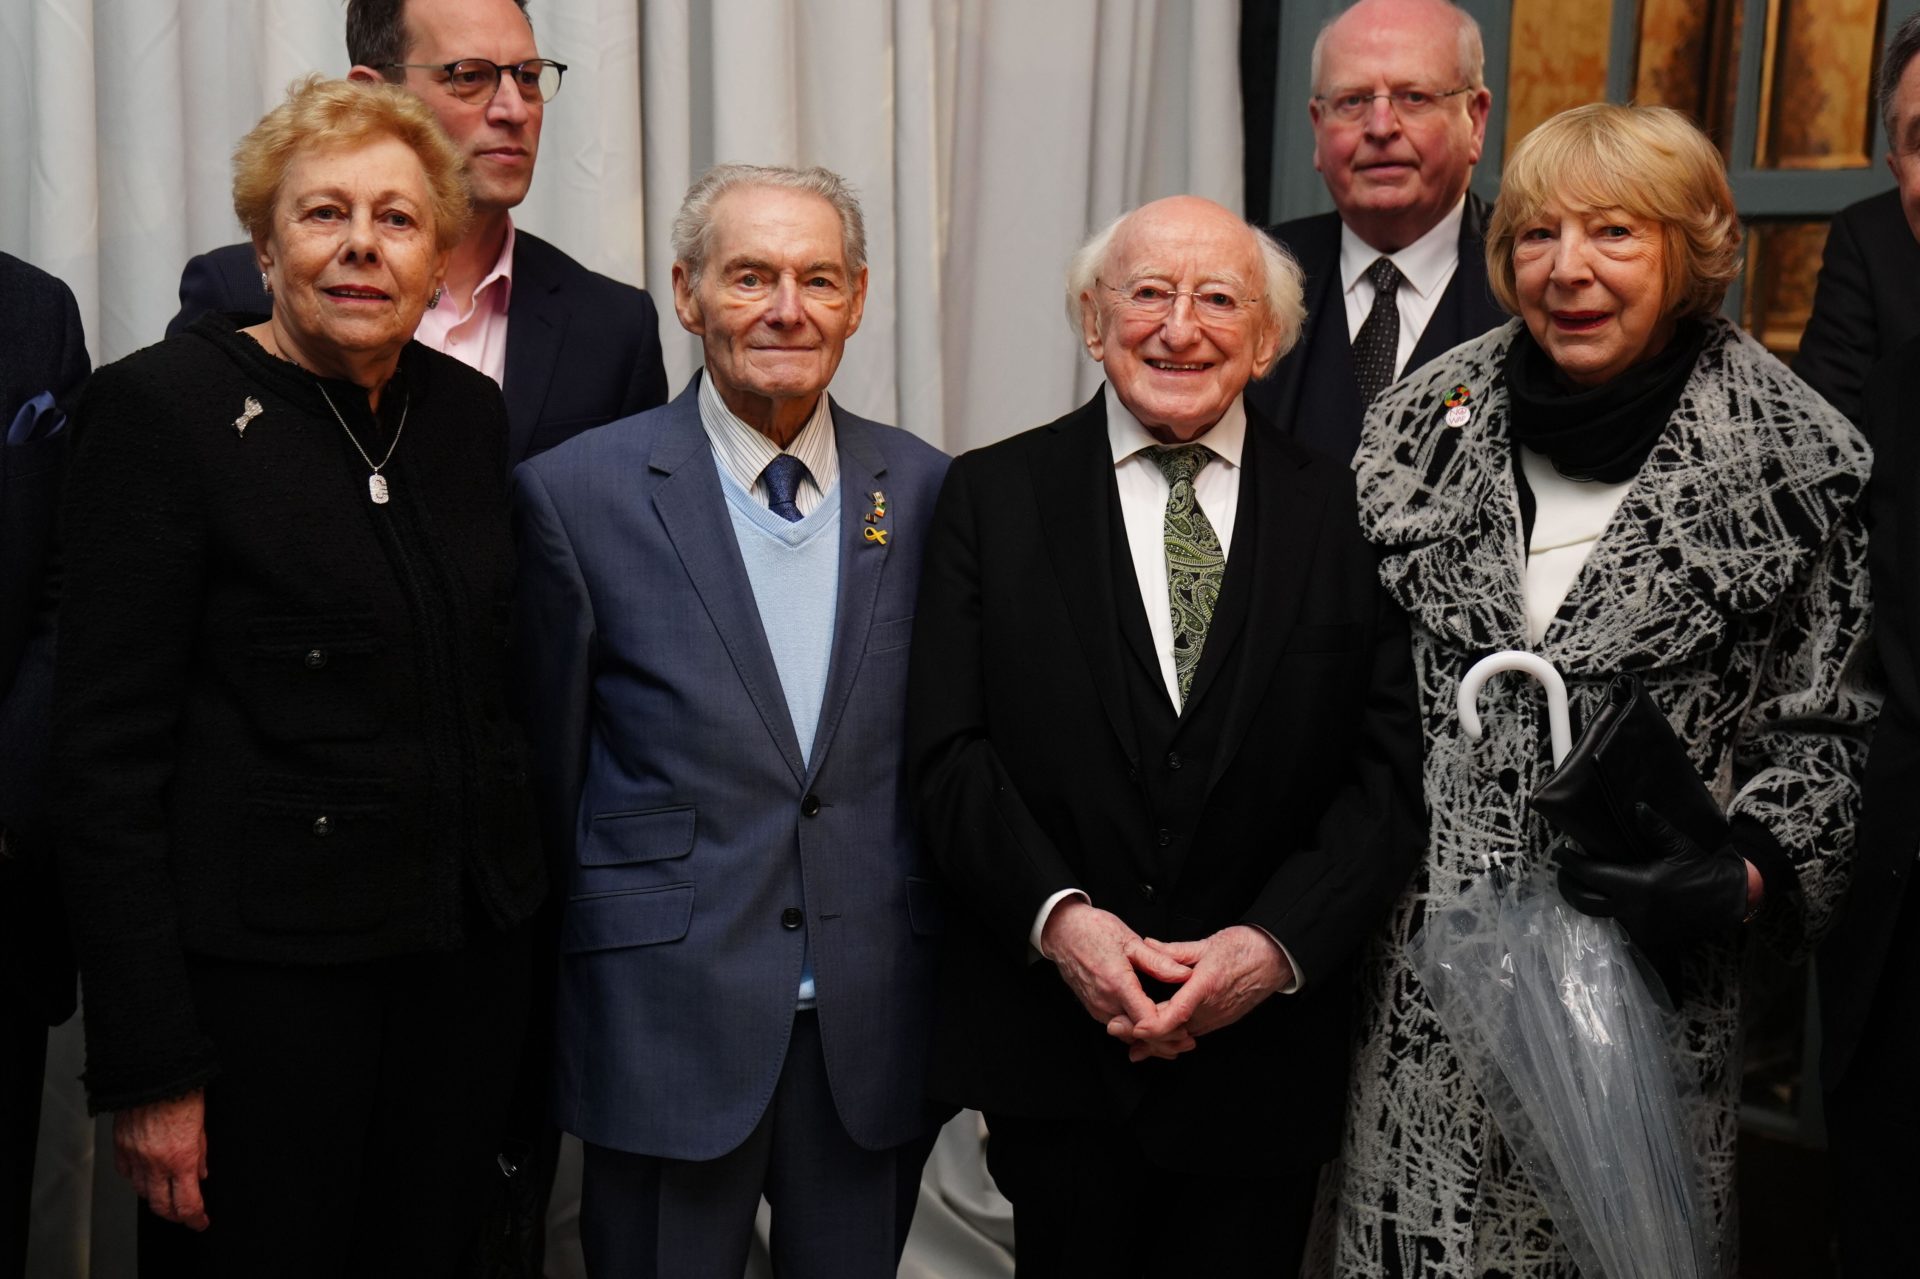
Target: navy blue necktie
{"x": 782, "y": 477}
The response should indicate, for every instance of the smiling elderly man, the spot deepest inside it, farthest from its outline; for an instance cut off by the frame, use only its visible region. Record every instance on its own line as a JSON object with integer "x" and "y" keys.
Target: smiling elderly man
{"x": 1397, "y": 274}
{"x": 1163, "y": 737}
{"x": 716, "y": 600}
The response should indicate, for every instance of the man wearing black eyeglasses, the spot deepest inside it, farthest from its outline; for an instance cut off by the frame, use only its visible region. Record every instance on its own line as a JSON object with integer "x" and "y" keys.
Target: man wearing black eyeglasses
{"x": 570, "y": 348}
{"x": 1396, "y": 275}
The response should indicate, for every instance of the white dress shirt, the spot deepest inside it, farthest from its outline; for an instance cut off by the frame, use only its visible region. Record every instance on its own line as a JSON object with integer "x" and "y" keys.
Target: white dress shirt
{"x": 744, "y": 453}
{"x": 1143, "y": 509}
{"x": 1428, "y": 265}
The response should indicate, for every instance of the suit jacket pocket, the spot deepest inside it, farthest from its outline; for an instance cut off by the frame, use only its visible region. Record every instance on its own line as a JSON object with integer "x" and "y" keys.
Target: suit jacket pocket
{"x": 651, "y": 835}
{"x": 327, "y": 855}
{"x": 882, "y": 636}
{"x": 306, "y": 679}
{"x": 1341, "y": 637}
{"x": 926, "y": 910}
{"x": 639, "y": 917}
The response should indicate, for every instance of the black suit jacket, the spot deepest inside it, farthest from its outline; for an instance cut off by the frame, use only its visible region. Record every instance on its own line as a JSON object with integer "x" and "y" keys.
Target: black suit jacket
{"x": 1855, "y": 950}
{"x": 1864, "y": 304}
{"x": 41, "y": 349}
{"x": 582, "y": 349}
{"x": 1045, "y": 755}
{"x": 1311, "y": 393}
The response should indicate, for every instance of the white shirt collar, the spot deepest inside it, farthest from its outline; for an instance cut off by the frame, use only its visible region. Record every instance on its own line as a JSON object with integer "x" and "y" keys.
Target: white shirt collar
{"x": 1426, "y": 263}
{"x": 1126, "y": 436}
{"x": 744, "y": 452}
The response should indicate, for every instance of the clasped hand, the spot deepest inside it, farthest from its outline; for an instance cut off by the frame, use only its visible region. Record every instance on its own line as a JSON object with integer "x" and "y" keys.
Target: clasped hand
{"x": 1221, "y": 978}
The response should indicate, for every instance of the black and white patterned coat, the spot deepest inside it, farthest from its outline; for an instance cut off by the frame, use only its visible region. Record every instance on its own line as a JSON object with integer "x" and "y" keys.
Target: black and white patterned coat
{"x": 1732, "y": 578}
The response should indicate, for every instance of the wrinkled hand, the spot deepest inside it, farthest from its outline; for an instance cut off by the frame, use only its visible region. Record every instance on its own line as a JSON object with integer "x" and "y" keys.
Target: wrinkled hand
{"x": 161, "y": 1148}
{"x": 1233, "y": 971}
{"x": 1097, "y": 955}
{"x": 1684, "y": 893}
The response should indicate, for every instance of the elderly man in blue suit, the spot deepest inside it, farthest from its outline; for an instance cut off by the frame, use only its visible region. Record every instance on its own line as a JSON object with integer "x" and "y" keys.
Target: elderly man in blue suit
{"x": 715, "y": 608}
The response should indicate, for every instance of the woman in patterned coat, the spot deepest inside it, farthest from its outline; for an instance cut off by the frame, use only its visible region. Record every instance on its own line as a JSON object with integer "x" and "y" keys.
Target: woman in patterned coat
{"x": 1619, "y": 481}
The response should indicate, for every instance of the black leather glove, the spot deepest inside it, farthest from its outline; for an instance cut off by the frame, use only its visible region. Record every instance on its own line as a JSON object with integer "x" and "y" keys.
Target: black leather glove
{"x": 1681, "y": 895}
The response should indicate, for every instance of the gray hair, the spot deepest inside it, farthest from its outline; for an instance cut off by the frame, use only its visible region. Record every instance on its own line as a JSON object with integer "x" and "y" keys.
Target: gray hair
{"x": 1283, "y": 292}
{"x": 1472, "y": 53}
{"x": 1901, "y": 46}
{"x": 693, "y": 224}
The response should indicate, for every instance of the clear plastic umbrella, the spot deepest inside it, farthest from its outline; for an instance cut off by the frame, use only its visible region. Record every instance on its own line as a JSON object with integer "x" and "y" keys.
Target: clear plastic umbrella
{"x": 1551, "y": 1018}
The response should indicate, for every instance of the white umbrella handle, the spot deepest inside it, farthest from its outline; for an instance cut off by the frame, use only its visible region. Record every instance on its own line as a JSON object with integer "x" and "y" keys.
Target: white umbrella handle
{"x": 1559, "y": 726}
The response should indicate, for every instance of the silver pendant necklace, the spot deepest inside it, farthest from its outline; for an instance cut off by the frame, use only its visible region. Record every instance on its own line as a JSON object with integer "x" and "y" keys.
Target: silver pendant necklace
{"x": 376, "y": 482}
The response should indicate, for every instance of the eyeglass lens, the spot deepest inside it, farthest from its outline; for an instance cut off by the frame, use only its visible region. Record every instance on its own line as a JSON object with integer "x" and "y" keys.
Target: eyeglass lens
{"x": 537, "y": 80}
{"x": 1154, "y": 302}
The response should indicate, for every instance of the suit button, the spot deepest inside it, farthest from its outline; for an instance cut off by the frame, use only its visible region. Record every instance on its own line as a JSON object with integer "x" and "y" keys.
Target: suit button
{"x": 791, "y": 917}
{"x": 1147, "y": 891}
{"x": 809, "y": 807}
{"x": 1133, "y": 776}
{"x": 322, "y": 827}
{"x": 1173, "y": 760}
{"x": 316, "y": 658}
{"x": 1165, "y": 836}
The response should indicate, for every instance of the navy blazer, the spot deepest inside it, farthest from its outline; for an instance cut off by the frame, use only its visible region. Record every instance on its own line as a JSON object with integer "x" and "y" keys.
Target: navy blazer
{"x": 1863, "y": 306}
{"x": 582, "y": 349}
{"x": 1853, "y": 957}
{"x": 697, "y": 852}
{"x": 1312, "y": 392}
{"x": 41, "y": 349}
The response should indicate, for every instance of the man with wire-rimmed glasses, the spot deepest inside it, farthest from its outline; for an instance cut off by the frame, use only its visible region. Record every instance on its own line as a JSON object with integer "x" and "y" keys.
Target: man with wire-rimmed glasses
{"x": 1396, "y": 274}
{"x": 1162, "y": 735}
{"x": 570, "y": 348}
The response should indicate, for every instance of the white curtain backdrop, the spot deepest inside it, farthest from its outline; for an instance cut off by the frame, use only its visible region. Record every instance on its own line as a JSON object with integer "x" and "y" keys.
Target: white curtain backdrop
{"x": 986, "y": 137}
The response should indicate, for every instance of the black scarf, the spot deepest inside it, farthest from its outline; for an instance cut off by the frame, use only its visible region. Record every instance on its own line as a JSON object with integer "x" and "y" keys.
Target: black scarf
{"x": 1603, "y": 432}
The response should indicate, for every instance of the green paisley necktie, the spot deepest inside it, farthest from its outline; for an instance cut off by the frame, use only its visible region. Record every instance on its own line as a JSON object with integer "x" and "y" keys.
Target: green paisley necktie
{"x": 1194, "y": 562}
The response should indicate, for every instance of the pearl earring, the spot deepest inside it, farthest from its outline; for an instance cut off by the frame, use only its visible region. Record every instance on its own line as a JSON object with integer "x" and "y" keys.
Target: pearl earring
{"x": 266, "y": 285}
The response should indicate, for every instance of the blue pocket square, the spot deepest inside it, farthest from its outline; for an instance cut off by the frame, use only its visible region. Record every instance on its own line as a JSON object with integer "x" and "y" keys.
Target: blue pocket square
{"x": 37, "y": 419}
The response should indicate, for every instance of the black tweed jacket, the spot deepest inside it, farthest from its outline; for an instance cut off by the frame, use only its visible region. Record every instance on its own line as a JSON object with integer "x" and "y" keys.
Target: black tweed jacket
{"x": 280, "y": 726}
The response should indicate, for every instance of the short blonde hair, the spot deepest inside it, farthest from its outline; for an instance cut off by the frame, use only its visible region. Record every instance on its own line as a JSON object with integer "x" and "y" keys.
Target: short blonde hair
{"x": 1650, "y": 162}
{"x": 321, "y": 113}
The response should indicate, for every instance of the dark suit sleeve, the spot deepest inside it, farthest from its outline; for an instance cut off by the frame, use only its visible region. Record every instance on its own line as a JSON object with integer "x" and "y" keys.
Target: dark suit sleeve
{"x": 553, "y": 635}
{"x": 73, "y": 367}
{"x": 134, "y": 539}
{"x": 647, "y": 387}
{"x": 223, "y": 280}
{"x": 1841, "y": 342}
{"x": 1323, "y": 900}
{"x": 34, "y": 945}
{"x": 983, "y": 839}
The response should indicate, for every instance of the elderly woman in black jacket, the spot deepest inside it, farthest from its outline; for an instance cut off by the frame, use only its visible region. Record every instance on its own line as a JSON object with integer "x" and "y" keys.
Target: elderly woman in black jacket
{"x": 292, "y": 806}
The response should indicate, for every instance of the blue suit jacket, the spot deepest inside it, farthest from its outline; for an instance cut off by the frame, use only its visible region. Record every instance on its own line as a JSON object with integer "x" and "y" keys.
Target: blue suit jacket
{"x": 582, "y": 349}
{"x": 41, "y": 349}
{"x": 687, "y": 824}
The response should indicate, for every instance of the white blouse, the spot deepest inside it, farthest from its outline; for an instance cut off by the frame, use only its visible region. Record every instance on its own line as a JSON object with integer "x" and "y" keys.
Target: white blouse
{"x": 1568, "y": 518}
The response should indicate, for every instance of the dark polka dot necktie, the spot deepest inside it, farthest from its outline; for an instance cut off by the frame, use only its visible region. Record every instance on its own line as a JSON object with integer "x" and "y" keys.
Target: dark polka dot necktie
{"x": 1377, "y": 347}
{"x": 1195, "y": 564}
{"x": 782, "y": 478}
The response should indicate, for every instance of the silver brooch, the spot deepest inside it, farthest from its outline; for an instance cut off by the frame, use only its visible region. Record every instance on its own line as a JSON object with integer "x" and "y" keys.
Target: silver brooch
{"x": 250, "y": 411}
